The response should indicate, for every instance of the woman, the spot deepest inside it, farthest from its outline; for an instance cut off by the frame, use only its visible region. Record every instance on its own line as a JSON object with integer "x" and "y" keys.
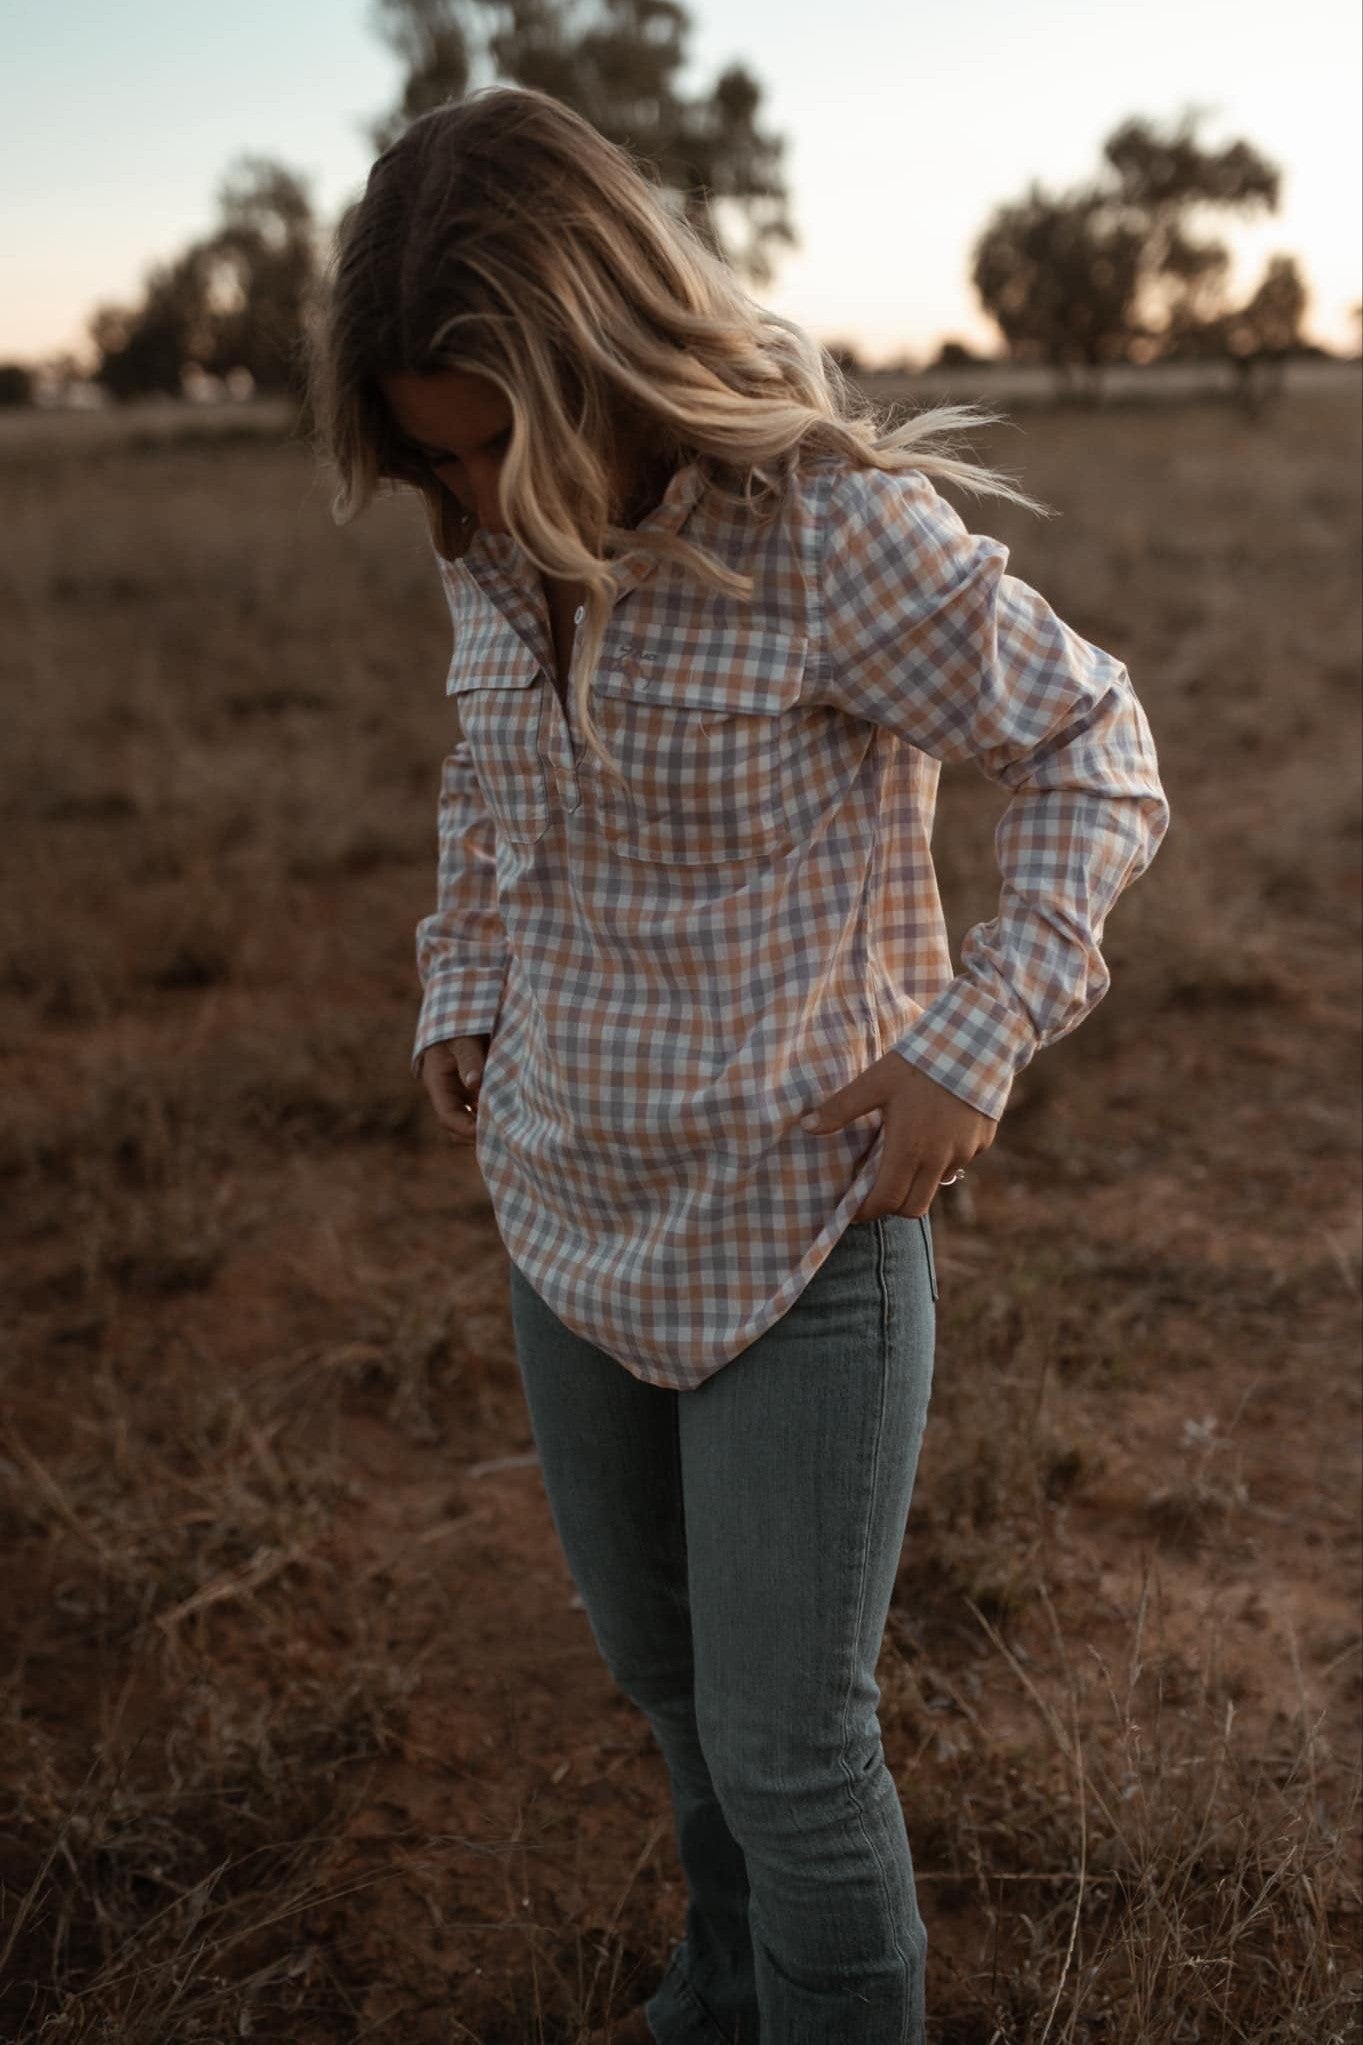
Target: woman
{"x": 714, "y": 631}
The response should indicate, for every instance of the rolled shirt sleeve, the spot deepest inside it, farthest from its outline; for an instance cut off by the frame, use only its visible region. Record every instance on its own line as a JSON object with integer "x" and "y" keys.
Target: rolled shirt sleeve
{"x": 461, "y": 948}
{"x": 926, "y": 634}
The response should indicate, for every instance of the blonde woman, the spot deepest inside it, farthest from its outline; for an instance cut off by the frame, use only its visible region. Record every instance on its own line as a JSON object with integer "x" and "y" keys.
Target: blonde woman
{"x": 714, "y": 631}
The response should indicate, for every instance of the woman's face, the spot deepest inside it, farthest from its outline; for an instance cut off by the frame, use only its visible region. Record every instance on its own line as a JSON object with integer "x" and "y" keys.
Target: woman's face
{"x": 459, "y": 424}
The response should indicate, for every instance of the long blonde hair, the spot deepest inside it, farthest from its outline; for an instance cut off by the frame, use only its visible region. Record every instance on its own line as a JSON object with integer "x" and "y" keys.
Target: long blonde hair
{"x": 503, "y": 234}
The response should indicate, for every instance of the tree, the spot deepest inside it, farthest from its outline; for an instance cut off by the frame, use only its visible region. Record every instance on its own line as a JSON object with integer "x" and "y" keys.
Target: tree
{"x": 954, "y": 354}
{"x": 237, "y": 299}
{"x": 143, "y": 349}
{"x": 1059, "y": 276}
{"x": 1270, "y": 321}
{"x": 16, "y": 384}
{"x": 617, "y": 63}
{"x": 263, "y": 265}
{"x": 1113, "y": 271}
{"x": 1257, "y": 337}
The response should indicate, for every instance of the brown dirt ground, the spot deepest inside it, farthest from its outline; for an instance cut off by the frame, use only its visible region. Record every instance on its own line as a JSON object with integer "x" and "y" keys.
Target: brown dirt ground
{"x": 281, "y": 1565}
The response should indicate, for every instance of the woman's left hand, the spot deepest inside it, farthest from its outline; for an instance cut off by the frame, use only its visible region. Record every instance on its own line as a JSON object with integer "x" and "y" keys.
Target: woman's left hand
{"x": 929, "y": 1133}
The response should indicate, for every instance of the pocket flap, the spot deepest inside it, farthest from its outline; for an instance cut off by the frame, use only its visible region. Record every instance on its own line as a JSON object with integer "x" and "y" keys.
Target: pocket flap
{"x": 489, "y": 655}
{"x": 752, "y": 671}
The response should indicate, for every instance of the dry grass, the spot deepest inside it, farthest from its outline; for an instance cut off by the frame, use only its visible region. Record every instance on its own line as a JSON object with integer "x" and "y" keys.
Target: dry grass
{"x": 304, "y": 1735}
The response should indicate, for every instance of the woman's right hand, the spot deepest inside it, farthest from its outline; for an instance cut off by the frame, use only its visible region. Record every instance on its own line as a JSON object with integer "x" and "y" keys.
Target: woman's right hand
{"x": 452, "y": 1074}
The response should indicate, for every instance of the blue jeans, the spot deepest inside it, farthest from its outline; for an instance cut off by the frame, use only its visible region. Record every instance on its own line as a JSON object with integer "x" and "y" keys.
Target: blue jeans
{"x": 735, "y": 1547}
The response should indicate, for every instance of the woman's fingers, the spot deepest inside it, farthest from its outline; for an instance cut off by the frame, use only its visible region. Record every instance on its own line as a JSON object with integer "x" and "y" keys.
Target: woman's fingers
{"x": 453, "y": 1074}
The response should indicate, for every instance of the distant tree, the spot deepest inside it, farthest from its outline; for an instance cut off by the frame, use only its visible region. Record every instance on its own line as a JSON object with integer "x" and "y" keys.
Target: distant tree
{"x": 16, "y": 384}
{"x": 234, "y": 300}
{"x": 618, "y": 63}
{"x": 954, "y": 354}
{"x": 1257, "y": 338}
{"x": 1113, "y": 272}
{"x": 142, "y": 349}
{"x": 1270, "y": 321}
{"x": 1060, "y": 277}
{"x": 1267, "y": 331}
{"x": 431, "y": 37}
{"x": 262, "y": 266}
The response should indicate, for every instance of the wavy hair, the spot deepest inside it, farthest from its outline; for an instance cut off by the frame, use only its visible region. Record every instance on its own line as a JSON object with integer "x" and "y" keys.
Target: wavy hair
{"x": 502, "y": 234}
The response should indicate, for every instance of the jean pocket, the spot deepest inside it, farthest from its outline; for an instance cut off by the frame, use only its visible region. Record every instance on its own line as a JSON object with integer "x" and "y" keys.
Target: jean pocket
{"x": 926, "y": 1228}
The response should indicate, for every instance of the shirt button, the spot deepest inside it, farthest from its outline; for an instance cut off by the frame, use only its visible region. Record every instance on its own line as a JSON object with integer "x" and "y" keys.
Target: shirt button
{"x": 579, "y": 614}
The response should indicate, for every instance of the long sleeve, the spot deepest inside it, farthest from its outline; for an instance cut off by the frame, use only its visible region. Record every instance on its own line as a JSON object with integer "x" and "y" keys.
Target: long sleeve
{"x": 461, "y": 948}
{"x": 928, "y": 635}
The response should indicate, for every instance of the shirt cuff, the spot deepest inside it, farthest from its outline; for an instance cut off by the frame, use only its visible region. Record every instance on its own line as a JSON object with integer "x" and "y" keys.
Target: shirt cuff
{"x": 466, "y": 1005}
{"x": 970, "y": 1044}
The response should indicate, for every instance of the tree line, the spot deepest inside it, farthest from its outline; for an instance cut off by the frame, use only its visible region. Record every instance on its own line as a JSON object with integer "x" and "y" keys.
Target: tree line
{"x": 1110, "y": 271}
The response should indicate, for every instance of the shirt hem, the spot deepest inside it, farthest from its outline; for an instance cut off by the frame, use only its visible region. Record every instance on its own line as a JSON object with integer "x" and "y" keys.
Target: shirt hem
{"x": 647, "y": 1371}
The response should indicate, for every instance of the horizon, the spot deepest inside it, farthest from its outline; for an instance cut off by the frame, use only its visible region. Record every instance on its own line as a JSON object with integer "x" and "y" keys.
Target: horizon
{"x": 853, "y": 174}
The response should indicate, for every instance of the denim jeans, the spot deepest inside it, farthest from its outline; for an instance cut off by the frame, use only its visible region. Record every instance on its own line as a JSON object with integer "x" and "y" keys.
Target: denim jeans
{"x": 735, "y": 1547}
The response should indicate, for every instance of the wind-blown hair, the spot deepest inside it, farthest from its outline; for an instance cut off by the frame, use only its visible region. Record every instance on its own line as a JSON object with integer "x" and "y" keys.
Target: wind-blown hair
{"x": 503, "y": 234}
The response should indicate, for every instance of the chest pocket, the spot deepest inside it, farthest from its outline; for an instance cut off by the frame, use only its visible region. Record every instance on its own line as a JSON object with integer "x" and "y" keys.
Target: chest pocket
{"x": 715, "y": 757}
{"x": 492, "y": 682}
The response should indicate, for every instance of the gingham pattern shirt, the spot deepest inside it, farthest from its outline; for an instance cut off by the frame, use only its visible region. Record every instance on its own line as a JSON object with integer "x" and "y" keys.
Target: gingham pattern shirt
{"x": 675, "y": 970}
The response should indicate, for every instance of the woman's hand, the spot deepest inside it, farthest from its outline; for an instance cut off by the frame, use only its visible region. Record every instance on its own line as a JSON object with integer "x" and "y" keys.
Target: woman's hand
{"x": 928, "y": 1133}
{"x": 452, "y": 1074}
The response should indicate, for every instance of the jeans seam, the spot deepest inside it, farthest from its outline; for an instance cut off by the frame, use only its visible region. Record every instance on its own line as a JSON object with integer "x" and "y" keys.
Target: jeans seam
{"x": 677, "y": 1467}
{"x": 886, "y": 1352}
{"x": 684, "y": 1586}
{"x": 925, "y": 1229}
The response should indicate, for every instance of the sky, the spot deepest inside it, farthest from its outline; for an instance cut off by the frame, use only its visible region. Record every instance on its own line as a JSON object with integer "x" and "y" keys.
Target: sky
{"x": 903, "y": 132}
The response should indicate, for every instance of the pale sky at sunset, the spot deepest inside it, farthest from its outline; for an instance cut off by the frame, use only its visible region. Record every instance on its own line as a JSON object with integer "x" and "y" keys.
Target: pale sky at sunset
{"x": 904, "y": 128}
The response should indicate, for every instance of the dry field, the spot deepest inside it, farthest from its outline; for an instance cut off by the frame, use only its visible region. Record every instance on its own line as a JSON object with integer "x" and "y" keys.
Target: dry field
{"x": 304, "y": 1736}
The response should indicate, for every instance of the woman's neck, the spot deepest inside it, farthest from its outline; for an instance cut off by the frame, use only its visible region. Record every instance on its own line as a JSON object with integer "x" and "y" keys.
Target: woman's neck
{"x": 648, "y": 480}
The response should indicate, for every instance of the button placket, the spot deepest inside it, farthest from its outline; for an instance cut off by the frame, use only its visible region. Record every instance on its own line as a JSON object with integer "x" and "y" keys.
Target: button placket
{"x": 562, "y": 748}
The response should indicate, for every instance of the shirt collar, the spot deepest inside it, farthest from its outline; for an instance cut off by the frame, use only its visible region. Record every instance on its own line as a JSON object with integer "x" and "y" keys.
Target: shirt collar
{"x": 500, "y": 553}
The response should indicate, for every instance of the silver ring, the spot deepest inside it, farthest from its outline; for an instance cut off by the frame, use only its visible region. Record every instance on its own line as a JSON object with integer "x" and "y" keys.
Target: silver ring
{"x": 959, "y": 1173}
